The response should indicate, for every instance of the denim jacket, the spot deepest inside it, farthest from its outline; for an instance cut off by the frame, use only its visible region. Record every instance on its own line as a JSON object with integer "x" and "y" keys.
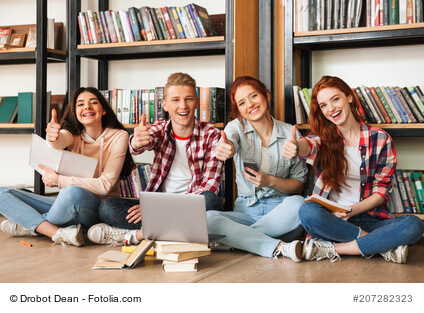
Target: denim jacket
{"x": 248, "y": 145}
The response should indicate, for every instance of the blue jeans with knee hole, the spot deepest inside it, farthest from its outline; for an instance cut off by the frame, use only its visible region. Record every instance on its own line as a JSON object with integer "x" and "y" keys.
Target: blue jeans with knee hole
{"x": 74, "y": 205}
{"x": 383, "y": 234}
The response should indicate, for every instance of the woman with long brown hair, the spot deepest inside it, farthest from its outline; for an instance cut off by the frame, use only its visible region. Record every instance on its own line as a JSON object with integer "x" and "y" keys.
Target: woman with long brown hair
{"x": 354, "y": 163}
{"x": 88, "y": 127}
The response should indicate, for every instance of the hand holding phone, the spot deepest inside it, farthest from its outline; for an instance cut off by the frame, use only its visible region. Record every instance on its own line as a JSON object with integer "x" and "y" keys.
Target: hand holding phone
{"x": 252, "y": 166}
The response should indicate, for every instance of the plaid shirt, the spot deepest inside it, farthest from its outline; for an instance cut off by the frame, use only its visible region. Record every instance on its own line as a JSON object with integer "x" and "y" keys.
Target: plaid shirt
{"x": 205, "y": 168}
{"x": 378, "y": 165}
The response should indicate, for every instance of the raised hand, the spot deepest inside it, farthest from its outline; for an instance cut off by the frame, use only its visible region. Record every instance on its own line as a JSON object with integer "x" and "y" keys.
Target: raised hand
{"x": 141, "y": 135}
{"x": 291, "y": 147}
{"x": 224, "y": 149}
{"x": 53, "y": 128}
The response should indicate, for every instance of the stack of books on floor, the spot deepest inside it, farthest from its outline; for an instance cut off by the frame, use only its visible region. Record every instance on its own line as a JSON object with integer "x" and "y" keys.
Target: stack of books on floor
{"x": 408, "y": 192}
{"x": 378, "y": 105}
{"x": 180, "y": 256}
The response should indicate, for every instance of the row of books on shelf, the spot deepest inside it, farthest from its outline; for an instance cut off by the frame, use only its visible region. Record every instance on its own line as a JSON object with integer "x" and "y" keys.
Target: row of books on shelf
{"x": 128, "y": 105}
{"x": 139, "y": 178}
{"x": 408, "y": 192}
{"x": 145, "y": 24}
{"x": 377, "y": 104}
{"x": 336, "y": 14}
{"x": 22, "y": 108}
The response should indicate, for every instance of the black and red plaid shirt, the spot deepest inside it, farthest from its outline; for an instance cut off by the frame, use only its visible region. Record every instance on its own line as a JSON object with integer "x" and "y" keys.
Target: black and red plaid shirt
{"x": 205, "y": 168}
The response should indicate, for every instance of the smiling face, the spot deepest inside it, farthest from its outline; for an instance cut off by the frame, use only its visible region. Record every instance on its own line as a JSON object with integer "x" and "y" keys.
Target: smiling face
{"x": 89, "y": 110}
{"x": 251, "y": 104}
{"x": 335, "y": 105}
{"x": 181, "y": 103}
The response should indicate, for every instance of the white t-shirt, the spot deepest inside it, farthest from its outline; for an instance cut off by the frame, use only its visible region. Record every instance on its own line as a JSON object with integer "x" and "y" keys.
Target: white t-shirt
{"x": 350, "y": 193}
{"x": 264, "y": 166}
{"x": 179, "y": 175}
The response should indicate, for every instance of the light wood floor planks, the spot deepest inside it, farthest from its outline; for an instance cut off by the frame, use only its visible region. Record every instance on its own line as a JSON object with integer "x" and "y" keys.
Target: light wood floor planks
{"x": 47, "y": 263}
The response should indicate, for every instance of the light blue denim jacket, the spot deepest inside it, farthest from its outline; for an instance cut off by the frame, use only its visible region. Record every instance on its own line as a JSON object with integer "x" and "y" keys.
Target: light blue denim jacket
{"x": 248, "y": 144}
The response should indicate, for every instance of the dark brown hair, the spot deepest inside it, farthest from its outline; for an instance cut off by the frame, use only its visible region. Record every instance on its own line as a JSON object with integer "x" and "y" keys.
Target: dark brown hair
{"x": 70, "y": 122}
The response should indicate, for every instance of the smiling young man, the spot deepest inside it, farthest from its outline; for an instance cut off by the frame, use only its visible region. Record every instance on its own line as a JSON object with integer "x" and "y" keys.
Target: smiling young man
{"x": 184, "y": 162}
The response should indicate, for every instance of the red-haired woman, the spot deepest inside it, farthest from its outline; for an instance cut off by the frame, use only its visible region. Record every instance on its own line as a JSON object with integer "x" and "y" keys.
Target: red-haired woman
{"x": 354, "y": 163}
{"x": 266, "y": 207}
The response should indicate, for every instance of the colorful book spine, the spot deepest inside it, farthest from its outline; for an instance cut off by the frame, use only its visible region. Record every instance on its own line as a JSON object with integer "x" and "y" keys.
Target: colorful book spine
{"x": 404, "y": 104}
{"x": 402, "y": 113}
{"x": 105, "y": 27}
{"x": 146, "y": 23}
{"x": 419, "y": 188}
{"x": 386, "y": 105}
{"x": 177, "y": 26}
{"x": 132, "y": 12}
{"x": 394, "y": 12}
{"x": 391, "y": 104}
{"x": 156, "y": 26}
{"x": 193, "y": 18}
{"x": 380, "y": 106}
{"x": 184, "y": 23}
{"x": 416, "y": 99}
{"x": 412, "y": 105}
{"x": 168, "y": 23}
{"x": 365, "y": 106}
{"x": 403, "y": 193}
{"x": 409, "y": 192}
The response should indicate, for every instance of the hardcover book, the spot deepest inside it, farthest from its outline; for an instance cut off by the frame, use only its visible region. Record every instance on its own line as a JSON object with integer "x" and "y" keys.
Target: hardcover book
{"x": 328, "y": 204}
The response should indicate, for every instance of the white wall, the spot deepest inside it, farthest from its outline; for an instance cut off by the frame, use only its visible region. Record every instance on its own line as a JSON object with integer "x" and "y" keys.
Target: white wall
{"x": 390, "y": 66}
{"x": 14, "y": 149}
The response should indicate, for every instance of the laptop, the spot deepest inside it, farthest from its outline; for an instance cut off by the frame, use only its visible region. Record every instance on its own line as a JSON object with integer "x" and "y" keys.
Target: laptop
{"x": 175, "y": 217}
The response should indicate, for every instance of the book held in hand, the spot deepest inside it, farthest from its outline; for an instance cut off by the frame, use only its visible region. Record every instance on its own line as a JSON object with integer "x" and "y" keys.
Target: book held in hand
{"x": 61, "y": 161}
{"x": 328, "y": 204}
{"x": 116, "y": 260}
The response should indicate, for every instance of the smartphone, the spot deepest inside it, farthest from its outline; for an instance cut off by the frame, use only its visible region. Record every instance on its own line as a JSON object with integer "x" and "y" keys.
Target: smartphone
{"x": 251, "y": 165}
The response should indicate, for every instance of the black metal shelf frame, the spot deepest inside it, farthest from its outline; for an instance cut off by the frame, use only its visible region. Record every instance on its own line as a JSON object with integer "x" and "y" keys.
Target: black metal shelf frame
{"x": 307, "y": 44}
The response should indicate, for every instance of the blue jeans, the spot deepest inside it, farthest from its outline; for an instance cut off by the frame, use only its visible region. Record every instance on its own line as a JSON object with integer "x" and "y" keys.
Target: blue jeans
{"x": 383, "y": 234}
{"x": 254, "y": 228}
{"x": 113, "y": 211}
{"x": 73, "y": 205}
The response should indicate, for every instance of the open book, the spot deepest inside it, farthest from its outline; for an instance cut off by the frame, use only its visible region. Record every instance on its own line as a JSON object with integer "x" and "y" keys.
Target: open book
{"x": 328, "y": 204}
{"x": 115, "y": 259}
{"x": 62, "y": 162}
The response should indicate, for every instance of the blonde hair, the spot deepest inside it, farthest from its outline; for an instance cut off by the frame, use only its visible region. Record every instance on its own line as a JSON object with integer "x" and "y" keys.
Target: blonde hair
{"x": 179, "y": 79}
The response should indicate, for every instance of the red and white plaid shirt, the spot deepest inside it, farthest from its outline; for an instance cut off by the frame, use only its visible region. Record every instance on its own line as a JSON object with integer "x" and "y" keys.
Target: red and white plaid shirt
{"x": 205, "y": 168}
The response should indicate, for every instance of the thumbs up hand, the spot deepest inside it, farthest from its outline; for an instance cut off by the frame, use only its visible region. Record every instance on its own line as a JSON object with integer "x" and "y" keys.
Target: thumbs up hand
{"x": 53, "y": 128}
{"x": 141, "y": 135}
{"x": 224, "y": 149}
{"x": 291, "y": 147}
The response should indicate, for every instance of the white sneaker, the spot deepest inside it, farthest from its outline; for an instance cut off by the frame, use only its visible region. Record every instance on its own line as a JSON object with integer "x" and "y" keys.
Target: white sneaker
{"x": 292, "y": 250}
{"x": 71, "y": 235}
{"x": 105, "y": 234}
{"x": 317, "y": 249}
{"x": 15, "y": 230}
{"x": 397, "y": 255}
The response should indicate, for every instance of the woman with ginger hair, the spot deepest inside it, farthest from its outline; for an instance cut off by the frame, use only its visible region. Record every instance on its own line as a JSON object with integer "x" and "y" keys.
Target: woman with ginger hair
{"x": 354, "y": 163}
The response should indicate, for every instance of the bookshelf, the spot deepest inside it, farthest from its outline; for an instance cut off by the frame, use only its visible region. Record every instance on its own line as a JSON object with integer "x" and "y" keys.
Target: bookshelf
{"x": 223, "y": 44}
{"x": 40, "y": 56}
{"x": 298, "y": 48}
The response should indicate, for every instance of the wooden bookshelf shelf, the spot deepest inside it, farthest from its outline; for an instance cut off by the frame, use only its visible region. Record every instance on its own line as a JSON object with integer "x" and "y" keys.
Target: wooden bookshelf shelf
{"x": 398, "y": 130}
{"x": 390, "y": 35}
{"x": 9, "y": 128}
{"x": 154, "y": 49}
{"x": 421, "y": 216}
{"x": 28, "y": 56}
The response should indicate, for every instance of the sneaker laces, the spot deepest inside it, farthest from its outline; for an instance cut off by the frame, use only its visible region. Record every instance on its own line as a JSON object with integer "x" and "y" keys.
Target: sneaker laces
{"x": 326, "y": 250}
{"x": 115, "y": 237}
{"x": 388, "y": 256}
{"x": 283, "y": 250}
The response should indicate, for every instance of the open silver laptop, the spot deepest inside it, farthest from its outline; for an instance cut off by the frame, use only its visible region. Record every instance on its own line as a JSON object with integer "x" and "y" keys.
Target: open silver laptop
{"x": 174, "y": 217}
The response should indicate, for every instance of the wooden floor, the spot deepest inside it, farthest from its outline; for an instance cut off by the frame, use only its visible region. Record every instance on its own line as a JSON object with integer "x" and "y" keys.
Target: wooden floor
{"x": 48, "y": 263}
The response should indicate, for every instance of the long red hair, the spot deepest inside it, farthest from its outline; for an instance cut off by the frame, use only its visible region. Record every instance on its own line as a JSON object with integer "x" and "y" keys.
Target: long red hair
{"x": 257, "y": 85}
{"x": 331, "y": 158}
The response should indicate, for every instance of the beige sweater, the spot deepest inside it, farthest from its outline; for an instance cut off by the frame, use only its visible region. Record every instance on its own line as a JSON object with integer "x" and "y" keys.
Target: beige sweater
{"x": 109, "y": 149}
